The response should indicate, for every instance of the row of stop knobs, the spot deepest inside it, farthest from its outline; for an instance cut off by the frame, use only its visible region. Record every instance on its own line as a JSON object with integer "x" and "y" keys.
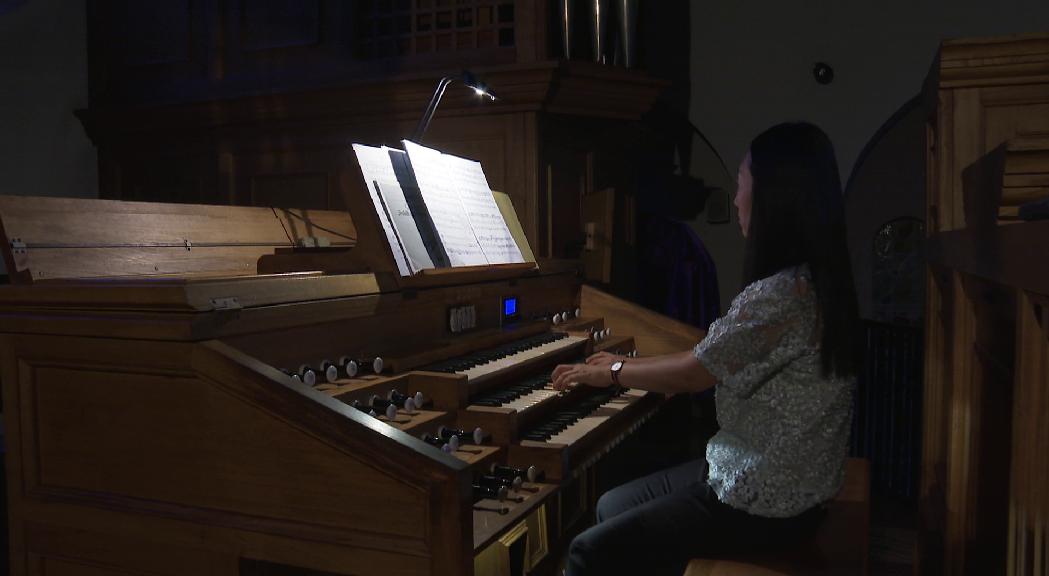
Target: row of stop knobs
{"x": 328, "y": 371}
{"x": 501, "y": 483}
{"x": 390, "y": 404}
{"x": 565, "y": 316}
{"x": 452, "y": 439}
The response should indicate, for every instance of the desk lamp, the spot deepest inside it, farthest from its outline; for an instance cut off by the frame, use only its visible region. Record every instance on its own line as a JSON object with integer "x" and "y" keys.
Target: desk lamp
{"x": 466, "y": 78}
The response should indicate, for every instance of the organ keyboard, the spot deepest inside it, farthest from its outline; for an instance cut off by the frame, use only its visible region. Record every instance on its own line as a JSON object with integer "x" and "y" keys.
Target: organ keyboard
{"x": 174, "y": 410}
{"x": 512, "y": 357}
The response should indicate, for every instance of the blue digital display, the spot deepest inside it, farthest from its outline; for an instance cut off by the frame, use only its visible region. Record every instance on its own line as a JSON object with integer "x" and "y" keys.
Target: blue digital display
{"x": 509, "y": 307}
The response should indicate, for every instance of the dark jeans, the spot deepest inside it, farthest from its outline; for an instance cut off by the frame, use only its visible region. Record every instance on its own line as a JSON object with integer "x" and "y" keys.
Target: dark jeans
{"x": 655, "y": 524}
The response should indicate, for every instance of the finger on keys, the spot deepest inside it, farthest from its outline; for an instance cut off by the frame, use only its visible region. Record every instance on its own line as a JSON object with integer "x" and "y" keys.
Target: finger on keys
{"x": 562, "y": 380}
{"x": 560, "y": 369}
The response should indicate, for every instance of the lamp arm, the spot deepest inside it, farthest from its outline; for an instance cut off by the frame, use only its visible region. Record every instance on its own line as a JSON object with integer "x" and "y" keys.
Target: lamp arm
{"x": 431, "y": 108}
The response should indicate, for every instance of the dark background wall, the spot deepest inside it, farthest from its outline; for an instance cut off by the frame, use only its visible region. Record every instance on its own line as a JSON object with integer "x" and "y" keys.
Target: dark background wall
{"x": 43, "y": 79}
{"x": 752, "y": 68}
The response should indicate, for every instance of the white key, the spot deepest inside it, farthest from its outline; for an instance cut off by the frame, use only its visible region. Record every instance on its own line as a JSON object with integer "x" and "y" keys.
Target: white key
{"x": 526, "y": 401}
{"x": 520, "y": 357}
{"x": 599, "y": 416}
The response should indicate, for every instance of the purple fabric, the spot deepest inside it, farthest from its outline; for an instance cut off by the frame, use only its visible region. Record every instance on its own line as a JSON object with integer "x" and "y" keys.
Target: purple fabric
{"x": 677, "y": 274}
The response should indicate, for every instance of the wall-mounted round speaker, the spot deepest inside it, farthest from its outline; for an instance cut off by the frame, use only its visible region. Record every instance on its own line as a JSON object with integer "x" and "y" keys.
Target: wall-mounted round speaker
{"x": 823, "y": 73}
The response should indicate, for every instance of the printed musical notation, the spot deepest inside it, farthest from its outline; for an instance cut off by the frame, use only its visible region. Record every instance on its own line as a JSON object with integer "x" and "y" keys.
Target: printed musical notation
{"x": 436, "y": 209}
{"x": 399, "y": 226}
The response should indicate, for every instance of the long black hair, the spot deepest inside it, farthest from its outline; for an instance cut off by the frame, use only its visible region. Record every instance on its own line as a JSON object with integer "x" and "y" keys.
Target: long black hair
{"x": 798, "y": 217}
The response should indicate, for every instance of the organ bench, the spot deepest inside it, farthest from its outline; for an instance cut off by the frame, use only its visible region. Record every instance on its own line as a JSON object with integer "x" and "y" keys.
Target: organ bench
{"x": 840, "y": 545}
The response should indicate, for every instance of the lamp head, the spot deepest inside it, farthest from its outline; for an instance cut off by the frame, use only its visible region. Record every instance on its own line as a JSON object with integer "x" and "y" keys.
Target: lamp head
{"x": 480, "y": 88}
{"x": 467, "y": 78}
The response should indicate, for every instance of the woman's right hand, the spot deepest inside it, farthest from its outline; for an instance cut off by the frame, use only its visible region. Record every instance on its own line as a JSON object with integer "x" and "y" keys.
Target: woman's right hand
{"x": 604, "y": 358}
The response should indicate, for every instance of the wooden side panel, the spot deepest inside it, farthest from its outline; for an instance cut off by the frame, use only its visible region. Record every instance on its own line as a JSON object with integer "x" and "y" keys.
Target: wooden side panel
{"x": 598, "y": 224}
{"x": 187, "y": 442}
{"x": 973, "y": 122}
{"x": 653, "y": 333}
{"x": 1028, "y": 548}
{"x": 981, "y": 406}
{"x": 935, "y": 419}
{"x": 940, "y": 195}
{"x": 969, "y": 146}
{"x": 979, "y": 344}
{"x": 64, "y": 551}
{"x": 178, "y": 446}
{"x": 959, "y": 490}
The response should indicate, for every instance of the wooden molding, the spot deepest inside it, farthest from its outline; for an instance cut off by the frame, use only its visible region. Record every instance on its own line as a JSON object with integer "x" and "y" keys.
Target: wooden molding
{"x": 580, "y": 88}
{"x": 994, "y": 61}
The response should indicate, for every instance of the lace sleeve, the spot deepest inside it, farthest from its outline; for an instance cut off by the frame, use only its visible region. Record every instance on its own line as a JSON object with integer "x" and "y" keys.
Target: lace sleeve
{"x": 762, "y": 332}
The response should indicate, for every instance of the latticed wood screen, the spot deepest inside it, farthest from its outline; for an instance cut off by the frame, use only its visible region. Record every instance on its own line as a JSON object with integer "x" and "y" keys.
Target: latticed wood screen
{"x": 390, "y": 28}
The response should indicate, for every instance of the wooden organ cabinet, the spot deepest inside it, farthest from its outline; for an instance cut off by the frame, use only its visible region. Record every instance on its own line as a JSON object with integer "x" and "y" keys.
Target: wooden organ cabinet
{"x": 169, "y": 411}
{"x": 256, "y": 103}
{"x": 984, "y": 505}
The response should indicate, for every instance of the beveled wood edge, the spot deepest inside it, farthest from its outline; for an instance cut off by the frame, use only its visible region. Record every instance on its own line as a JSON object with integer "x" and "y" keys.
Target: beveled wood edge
{"x": 187, "y": 294}
{"x": 440, "y": 277}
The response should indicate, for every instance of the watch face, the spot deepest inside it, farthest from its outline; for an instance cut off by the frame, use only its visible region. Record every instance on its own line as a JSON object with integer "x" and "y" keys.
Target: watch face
{"x": 617, "y": 365}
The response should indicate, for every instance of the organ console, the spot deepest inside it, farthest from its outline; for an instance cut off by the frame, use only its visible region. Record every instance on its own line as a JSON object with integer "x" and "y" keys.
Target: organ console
{"x": 173, "y": 406}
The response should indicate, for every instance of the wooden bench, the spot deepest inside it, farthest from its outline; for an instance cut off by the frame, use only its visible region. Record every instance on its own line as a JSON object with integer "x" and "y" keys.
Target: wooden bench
{"x": 839, "y": 546}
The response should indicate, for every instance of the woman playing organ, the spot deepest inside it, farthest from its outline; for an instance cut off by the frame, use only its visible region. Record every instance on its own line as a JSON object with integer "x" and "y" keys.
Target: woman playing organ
{"x": 782, "y": 361}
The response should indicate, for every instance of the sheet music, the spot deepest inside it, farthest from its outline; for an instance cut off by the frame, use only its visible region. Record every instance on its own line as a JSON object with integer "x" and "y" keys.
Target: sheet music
{"x": 446, "y": 210}
{"x": 486, "y": 220}
{"x": 414, "y": 206}
{"x": 397, "y": 222}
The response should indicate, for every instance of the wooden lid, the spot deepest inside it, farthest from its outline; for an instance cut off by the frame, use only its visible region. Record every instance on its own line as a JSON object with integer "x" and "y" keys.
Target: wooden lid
{"x": 72, "y": 238}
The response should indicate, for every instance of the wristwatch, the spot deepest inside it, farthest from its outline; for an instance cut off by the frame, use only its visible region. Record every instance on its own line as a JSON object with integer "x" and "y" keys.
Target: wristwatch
{"x": 616, "y": 367}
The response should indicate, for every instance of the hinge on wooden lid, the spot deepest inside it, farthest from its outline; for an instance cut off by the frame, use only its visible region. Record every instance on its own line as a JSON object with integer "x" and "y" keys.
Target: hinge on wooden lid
{"x": 314, "y": 242}
{"x": 189, "y": 245}
{"x": 229, "y": 303}
{"x": 17, "y": 246}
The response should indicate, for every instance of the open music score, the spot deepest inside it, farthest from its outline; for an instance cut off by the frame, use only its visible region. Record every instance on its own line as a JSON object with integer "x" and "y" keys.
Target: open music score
{"x": 389, "y": 200}
{"x": 437, "y": 210}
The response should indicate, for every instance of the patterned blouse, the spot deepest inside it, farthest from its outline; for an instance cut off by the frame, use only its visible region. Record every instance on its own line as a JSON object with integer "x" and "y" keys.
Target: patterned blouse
{"x": 784, "y": 427}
